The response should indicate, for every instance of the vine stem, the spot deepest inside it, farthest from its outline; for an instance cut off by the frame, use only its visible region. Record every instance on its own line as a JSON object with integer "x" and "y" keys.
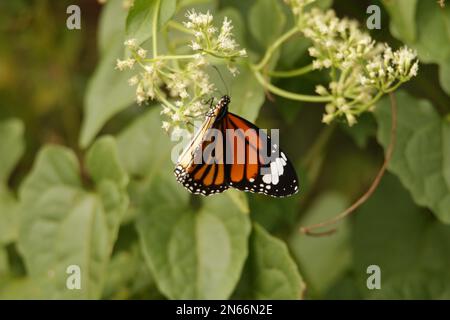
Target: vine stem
{"x": 155, "y": 29}
{"x": 309, "y": 229}
{"x": 287, "y": 94}
{"x": 274, "y": 46}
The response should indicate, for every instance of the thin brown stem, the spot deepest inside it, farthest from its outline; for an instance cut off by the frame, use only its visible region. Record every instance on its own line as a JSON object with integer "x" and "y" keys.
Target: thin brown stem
{"x": 309, "y": 229}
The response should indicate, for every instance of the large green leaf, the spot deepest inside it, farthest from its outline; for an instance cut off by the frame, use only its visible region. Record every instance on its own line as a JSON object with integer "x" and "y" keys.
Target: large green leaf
{"x": 270, "y": 272}
{"x": 425, "y": 26}
{"x": 103, "y": 162}
{"x": 323, "y": 259}
{"x": 111, "y": 24}
{"x": 403, "y": 240}
{"x": 433, "y": 31}
{"x": 193, "y": 253}
{"x": 266, "y": 21}
{"x": 143, "y": 146}
{"x": 421, "y": 158}
{"x": 402, "y": 13}
{"x": 416, "y": 286}
{"x": 63, "y": 224}
{"x": 136, "y": 279}
{"x": 140, "y": 18}
{"x": 107, "y": 93}
{"x": 388, "y": 220}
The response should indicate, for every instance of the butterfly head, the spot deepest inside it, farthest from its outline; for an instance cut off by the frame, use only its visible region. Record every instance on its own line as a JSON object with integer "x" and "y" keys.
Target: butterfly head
{"x": 225, "y": 100}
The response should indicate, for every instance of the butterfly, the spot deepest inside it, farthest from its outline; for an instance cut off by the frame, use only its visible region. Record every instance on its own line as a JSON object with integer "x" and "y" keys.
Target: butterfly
{"x": 250, "y": 168}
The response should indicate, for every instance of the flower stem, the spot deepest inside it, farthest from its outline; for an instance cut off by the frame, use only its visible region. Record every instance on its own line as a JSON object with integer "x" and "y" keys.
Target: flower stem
{"x": 155, "y": 28}
{"x": 274, "y": 46}
{"x": 171, "y": 57}
{"x": 370, "y": 103}
{"x": 178, "y": 26}
{"x": 291, "y": 73}
{"x": 287, "y": 94}
{"x": 161, "y": 97}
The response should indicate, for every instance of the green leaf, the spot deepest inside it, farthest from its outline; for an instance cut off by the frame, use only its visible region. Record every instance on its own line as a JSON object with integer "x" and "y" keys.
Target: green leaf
{"x": 416, "y": 286}
{"x": 11, "y": 147}
{"x": 247, "y": 95}
{"x": 143, "y": 146}
{"x": 111, "y": 25}
{"x": 122, "y": 285}
{"x": 433, "y": 32}
{"x": 403, "y": 240}
{"x": 421, "y": 158}
{"x": 62, "y": 224}
{"x": 54, "y": 166}
{"x": 270, "y": 273}
{"x": 65, "y": 227}
{"x": 193, "y": 253}
{"x": 388, "y": 220}
{"x": 425, "y": 26}
{"x": 107, "y": 94}
{"x": 323, "y": 259}
{"x": 403, "y": 23}
{"x": 103, "y": 162}
{"x": 363, "y": 131}
{"x": 266, "y": 21}
{"x": 274, "y": 216}
{"x": 139, "y": 21}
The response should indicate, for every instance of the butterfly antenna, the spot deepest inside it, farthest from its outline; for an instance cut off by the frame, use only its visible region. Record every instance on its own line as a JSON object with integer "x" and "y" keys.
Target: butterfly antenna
{"x": 221, "y": 78}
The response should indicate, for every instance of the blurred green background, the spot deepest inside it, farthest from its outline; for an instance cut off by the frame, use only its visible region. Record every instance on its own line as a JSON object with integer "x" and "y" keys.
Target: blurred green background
{"x": 86, "y": 177}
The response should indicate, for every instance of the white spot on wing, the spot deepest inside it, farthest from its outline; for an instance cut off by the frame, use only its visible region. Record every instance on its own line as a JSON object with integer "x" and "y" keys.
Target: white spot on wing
{"x": 267, "y": 178}
{"x": 279, "y": 166}
{"x": 274, "y": 172}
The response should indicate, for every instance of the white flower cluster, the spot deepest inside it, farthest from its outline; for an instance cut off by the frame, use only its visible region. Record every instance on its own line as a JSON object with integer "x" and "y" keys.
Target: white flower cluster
{"x": 210, "y": 40}
{"x": 385, "y": 69}
{"x": 359, "y": 67}
{"x": 188, "y": 84}
{"x": 180, "y": 82}
{"x": 337, "y": 42}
